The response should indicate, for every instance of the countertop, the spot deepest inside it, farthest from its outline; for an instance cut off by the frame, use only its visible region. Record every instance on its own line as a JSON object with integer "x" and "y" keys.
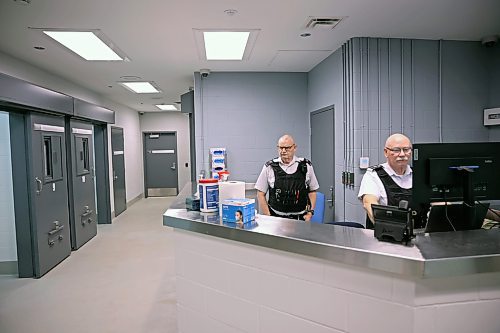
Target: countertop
{"x": 426, "y": 256}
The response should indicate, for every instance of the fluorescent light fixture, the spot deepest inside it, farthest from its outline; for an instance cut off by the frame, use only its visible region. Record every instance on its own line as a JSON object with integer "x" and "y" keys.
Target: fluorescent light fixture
{"x": 166, "y": 107}
{"x": 225, "y": 45}
{"x": 141, "y": 87}
{"x": 86, "y": 44}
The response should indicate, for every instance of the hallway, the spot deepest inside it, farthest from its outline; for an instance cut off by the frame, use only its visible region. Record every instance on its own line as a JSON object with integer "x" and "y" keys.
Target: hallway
{"x": 120, "y": 281}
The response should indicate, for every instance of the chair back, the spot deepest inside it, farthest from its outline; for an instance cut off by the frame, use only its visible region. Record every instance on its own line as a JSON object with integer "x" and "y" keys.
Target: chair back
{"x": 319, "y": 209}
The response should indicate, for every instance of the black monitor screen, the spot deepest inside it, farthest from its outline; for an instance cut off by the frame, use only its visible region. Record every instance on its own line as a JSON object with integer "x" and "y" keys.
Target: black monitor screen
{"x": 446, "y": 172}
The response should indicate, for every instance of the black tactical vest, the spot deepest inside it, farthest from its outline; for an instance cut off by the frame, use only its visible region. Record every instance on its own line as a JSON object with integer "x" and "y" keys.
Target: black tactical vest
{"x": 395, "y": 193}
{"x": 290, "y": 192}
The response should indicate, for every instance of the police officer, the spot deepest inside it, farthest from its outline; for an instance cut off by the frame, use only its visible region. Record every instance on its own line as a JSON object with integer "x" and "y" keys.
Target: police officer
{"x": 390, "y": 182}
{"x": 291, "y": 183}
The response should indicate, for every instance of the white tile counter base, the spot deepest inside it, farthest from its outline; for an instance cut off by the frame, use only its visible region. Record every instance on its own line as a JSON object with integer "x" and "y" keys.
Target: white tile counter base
{"x": 227, "y": 286}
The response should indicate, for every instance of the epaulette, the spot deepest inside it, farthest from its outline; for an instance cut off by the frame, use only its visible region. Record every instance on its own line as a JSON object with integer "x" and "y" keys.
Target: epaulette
{"x": 307, "y": 161}
{"x": 268, "y": 163}
{"x": 375, "y": 167}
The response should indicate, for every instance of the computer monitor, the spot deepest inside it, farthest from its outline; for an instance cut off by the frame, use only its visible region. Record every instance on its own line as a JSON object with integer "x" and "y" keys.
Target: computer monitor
{"x": 452, "y": 172}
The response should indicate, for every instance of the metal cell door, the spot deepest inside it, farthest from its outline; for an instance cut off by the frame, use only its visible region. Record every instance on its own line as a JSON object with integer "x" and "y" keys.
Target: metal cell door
{"x": 118, "y": 160}
{"x": 83, "y": 220}
{"x": 48, "y": 192}
{"x": 323, "y": 156}
{"x": 161, "y": 168}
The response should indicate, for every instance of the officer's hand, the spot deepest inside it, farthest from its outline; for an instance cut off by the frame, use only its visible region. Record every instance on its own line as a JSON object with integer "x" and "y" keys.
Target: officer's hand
{"x": 308, "y": 216}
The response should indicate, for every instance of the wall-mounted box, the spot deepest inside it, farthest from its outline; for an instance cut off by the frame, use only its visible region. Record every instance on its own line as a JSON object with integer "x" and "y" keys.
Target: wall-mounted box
{"x": 491, "y": 117}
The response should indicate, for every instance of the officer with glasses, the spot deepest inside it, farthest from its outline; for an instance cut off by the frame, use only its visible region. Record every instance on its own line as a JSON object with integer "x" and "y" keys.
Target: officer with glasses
{"x": 389, "y": 182}
{"x": 291, "y": 183}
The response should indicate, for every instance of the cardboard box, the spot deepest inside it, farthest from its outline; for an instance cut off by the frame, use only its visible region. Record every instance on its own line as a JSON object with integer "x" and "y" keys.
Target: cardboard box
{"x": 238, "y": 210}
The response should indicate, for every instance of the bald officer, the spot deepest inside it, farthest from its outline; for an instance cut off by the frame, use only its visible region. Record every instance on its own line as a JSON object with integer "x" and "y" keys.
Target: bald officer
{"x": 389, "y": 182}
{"x": 291, "y": 183}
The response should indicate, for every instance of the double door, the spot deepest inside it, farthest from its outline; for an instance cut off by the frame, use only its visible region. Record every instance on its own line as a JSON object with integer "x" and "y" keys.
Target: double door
{"x": 61, "y": 188}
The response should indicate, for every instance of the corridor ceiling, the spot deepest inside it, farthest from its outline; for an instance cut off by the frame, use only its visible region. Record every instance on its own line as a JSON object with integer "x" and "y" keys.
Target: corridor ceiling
{"x": 159, "y": 35}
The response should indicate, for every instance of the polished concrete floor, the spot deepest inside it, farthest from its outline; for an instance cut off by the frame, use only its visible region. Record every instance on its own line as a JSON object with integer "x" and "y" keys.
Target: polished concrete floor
{"x": 120, "y": 281}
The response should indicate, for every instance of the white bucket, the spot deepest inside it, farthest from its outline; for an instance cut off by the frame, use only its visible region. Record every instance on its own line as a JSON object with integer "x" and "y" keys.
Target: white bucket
{"x": 209, "y": 195}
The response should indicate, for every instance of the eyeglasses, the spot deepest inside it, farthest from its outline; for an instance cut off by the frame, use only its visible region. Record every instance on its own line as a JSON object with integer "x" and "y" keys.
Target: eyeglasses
{"x": 286, "y": 148}
{"x": 397, "y": 150}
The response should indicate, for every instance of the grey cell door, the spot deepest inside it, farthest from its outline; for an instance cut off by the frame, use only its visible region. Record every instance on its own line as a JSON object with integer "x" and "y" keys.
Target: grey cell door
{"x": 160, "y": 164}
{"x": 118, "y": 161}
{"x": 48, "y": 192}
{"x": 323, "y": 156}
{"x": 83, "y": 219}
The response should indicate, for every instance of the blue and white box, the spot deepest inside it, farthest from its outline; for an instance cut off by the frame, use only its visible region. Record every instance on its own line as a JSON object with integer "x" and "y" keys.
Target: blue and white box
{"x": 238, "y": 210}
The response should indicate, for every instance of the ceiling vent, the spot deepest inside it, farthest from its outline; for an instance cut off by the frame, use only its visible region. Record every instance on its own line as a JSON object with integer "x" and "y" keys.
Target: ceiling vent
{"x": 325, "y": 23}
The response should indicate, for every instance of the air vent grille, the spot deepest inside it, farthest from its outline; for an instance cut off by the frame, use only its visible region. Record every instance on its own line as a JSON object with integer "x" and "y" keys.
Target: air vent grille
{"x": 322, "y": 22}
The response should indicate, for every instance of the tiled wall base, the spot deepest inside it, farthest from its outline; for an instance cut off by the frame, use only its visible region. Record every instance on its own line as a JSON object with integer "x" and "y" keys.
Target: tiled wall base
{"x": 226, "y": 286}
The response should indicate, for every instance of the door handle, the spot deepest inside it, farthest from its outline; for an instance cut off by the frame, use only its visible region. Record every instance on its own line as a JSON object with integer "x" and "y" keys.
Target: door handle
{"x": 115, "y": 177}
{"x": 38, "y": 185}
{"x": 173, "y": 167}
{"x": 332, "y": 193}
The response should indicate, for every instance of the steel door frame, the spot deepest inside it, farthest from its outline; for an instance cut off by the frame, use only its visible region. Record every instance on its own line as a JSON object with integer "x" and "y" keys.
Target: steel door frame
{"x": 144, "y": 134}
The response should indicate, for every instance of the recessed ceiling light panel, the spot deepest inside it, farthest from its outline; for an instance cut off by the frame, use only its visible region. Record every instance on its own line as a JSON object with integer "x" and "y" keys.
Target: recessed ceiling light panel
{"x": 141, "y": 87}
{"x": 225, "y": 44}
{"x": 166, "y": 107}
{"x": 91, "y": 45}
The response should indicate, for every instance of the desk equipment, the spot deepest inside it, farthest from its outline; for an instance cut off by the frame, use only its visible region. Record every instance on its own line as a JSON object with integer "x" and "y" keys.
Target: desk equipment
{"x": 393, "y": 224}
{"x": 447, "y": 172}
{"x": 192, "y": 203}
{"x": 451, "y": 217}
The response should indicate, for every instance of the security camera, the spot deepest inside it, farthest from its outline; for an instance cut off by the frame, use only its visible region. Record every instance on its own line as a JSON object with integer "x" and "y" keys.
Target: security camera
{"x": 489, "y": 41}
{"x": 204, "y": 72}
{"x": 141, "y": 113}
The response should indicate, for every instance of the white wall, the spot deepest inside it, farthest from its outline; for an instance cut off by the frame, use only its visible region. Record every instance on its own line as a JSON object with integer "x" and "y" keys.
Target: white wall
{"x": 134, "y": 179}
{"x": 172, "y": 122}
{"x": 8, "y": 250}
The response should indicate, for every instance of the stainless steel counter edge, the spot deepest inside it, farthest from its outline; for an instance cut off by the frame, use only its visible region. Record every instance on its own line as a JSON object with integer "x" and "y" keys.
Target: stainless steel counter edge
{"x": 429, "y": 255}
{"x": 300, "y": 246}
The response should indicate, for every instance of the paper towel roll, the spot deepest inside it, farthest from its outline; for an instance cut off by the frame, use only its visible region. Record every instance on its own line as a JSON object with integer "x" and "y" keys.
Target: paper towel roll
{"x": 230, "y": 190}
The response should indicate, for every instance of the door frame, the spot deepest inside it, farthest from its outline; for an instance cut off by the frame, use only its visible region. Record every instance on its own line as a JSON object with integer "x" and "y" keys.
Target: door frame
{"x": 113, "y": 168}
{"x": 144, "y": 133}
{"x": 329, "y": 194}
{"x": 101, "y": 164}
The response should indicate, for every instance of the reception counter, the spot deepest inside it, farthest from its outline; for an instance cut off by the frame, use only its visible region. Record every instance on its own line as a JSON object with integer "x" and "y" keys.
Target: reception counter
{"x": 276, "y": 275}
